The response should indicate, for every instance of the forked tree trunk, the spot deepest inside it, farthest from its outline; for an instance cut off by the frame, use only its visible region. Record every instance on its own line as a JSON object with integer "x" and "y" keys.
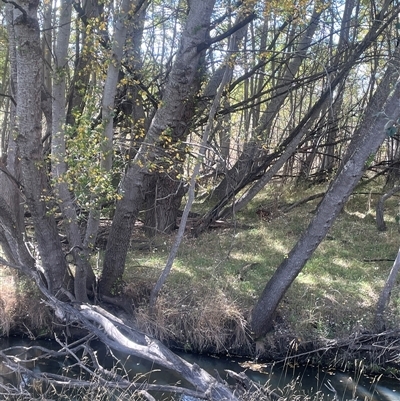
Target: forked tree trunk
{"x": 367, "y": 140}
{"x": 162, "y": 205}
{"x": 380, "y": 207}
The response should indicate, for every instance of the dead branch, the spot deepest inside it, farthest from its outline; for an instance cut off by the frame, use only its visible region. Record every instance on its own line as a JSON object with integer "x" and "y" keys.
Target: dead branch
{"x": 303, "y": 201}
{"x": 96, "y": 381}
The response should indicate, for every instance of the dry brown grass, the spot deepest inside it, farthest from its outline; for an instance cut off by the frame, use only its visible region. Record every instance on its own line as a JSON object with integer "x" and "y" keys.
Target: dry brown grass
{"x": 7, "y": 300}
{"x": 21, "y": 310}
{"x": 211, "y": 323}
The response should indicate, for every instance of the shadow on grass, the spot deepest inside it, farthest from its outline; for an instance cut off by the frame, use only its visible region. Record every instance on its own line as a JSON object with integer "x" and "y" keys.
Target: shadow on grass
{"x": 217, "y": 278}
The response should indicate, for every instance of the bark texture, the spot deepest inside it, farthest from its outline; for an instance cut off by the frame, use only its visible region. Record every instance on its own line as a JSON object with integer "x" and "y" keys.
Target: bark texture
{"x": 65, "y": 200}
{"x": 29, "y": 142}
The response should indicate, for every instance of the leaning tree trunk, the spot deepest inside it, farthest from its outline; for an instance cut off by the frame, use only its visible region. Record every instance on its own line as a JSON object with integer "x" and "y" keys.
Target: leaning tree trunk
{"x": 289, "y": 145}
{"x": 170, "y": 116}
{"x": 384, "y": 297}
{"x": 367, "y": 140}
{"x": 29, "y": 142}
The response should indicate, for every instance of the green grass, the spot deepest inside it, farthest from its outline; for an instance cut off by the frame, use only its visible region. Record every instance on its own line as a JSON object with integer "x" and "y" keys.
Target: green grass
{"x": 216, "y": 278}
{"x": 220, "y": 274}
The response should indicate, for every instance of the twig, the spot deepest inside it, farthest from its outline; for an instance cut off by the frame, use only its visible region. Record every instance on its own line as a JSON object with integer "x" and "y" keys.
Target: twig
{"x": 9, "y": 96}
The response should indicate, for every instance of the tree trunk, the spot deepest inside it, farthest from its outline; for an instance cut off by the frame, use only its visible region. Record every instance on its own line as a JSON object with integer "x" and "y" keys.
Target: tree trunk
{"x": 29, "y": 142}
{"x": 12, "y": 225}
{"x": 380, "y": 206}
{"x": 84, "y": 275}
{"x": 384, "y": 296}
{"x": 367, "y": 140}
{"x": 162, "y": 203}
{"x": 107, "y": 113}
{"x": 169, "y": 188}
{"x": 192, "y": 186}
{"x": 329, "y": 162}
{"x": 289, "y": 144}
{"x": 171, "y": 115}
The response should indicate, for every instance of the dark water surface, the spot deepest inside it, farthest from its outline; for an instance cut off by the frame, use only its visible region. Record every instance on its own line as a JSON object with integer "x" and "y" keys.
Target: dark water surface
{"x": 309, "y": 380}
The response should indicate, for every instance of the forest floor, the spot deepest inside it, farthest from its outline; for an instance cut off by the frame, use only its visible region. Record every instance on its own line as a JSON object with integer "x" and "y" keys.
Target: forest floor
{"x": 216, "y": 279}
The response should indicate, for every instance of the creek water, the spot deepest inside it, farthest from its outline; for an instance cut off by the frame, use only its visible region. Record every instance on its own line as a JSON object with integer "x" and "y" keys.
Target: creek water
{"x": 306, "y": 379}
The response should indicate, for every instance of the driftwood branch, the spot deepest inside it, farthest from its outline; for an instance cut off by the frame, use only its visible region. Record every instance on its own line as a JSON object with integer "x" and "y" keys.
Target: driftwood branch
{"x": 68, "y": 382}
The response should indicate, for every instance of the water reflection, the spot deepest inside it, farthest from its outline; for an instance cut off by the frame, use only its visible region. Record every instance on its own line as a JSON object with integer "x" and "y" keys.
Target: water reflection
{"x": 330, "y": 385}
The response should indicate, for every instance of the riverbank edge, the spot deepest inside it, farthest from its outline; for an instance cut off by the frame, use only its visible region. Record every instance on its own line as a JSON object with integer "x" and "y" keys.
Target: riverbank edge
{"x": 378, "y": 353}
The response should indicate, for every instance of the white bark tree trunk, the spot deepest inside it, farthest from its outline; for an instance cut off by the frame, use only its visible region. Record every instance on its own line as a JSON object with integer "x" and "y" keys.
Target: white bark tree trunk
{"x": 107, "y": 110}
{"x": 12, "y": 229}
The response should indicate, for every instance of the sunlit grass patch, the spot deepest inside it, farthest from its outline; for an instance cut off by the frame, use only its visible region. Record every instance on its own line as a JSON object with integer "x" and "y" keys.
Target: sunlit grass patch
{"x": 226, "y": 269}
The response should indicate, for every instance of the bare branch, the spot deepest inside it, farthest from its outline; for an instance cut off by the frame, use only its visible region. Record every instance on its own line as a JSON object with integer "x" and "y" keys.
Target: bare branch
{"x": 9, "y": 96}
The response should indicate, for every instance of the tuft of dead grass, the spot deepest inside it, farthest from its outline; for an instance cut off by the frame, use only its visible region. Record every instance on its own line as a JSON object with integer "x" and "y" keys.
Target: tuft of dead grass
{"x": 21, "y": 310}
{"x": 5, "y": 318}
{"x": 7, "y": 301}
{"x": 212, "y": 323}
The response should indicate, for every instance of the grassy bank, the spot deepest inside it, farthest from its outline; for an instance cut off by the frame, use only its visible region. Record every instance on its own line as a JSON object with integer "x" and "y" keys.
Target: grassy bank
{"x": 217, "y": 278}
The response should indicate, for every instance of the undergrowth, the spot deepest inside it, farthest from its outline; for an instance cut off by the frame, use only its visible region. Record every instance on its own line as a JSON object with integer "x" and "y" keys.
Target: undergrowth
{"x": 216, "y": 278}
